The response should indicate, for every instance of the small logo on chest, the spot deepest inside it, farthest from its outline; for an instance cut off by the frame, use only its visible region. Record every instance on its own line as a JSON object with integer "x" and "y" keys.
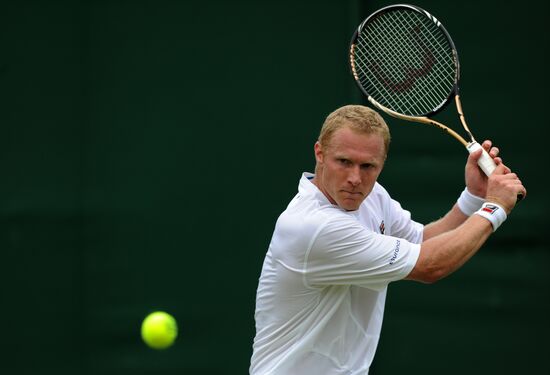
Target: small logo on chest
{"x": 382, "y": 227}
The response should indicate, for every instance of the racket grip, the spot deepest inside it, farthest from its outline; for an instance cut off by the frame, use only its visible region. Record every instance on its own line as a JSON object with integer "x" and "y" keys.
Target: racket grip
{"x": 485, "y": 161}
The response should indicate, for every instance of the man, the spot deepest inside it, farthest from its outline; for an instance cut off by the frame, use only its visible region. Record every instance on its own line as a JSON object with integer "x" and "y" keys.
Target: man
{"x": 342, "y": 239}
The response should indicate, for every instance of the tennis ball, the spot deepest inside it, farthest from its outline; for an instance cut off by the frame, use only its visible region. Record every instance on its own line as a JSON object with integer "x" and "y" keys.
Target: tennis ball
{"x": 159, "y": 330}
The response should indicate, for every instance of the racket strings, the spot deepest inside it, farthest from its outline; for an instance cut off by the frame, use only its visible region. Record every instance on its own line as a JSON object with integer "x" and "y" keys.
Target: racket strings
{"x": 408, "y": 45}
{"x": 436, "y": 45}
{"x": 410, "y": 49}
{"x": 399, "y": 83}
{"x": 393, "y": 73}
{"x": 405, "y": 62}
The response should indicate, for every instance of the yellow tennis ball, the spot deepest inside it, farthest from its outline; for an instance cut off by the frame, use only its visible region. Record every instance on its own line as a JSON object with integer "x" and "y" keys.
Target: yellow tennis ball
{"x": 159, "y": 330}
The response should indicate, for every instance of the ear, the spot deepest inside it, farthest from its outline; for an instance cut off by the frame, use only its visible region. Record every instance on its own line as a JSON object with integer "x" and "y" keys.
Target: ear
{"x": 318, "y": 153}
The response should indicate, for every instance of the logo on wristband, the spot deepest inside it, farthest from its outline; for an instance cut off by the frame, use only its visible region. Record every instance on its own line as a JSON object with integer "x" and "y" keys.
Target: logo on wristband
{"x": 490, "y": 208}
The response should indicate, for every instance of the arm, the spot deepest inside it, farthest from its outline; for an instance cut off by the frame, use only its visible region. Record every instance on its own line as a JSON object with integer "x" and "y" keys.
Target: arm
{"x": 443, "y": 253}
{"x": 450, "y": 221}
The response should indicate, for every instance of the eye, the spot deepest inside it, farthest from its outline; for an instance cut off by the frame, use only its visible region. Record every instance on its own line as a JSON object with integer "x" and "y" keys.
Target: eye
{"x": 344, "y": 162}
{"x": 367, "y": 166}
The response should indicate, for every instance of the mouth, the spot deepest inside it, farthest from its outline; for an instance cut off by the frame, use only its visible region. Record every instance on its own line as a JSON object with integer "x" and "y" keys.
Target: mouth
{"x": 350, "y": 200}
{"x": 352, "y": 194}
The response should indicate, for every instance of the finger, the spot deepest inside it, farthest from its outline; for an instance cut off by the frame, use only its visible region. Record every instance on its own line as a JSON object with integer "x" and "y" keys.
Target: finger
{"x": 494, "y": 151}
{"x": 487, "y": 145}
{"x": 502, "y": 169}
{"x": 521, "y": 192}
{"x": 474, "y": 156}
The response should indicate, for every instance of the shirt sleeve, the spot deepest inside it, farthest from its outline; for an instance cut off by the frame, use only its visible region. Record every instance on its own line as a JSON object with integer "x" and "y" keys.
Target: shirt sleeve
{"x": 345, "y": 253}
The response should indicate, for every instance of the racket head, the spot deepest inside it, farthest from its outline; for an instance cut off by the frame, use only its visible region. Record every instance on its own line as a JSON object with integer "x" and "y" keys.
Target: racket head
{"x": 403, "y": 59}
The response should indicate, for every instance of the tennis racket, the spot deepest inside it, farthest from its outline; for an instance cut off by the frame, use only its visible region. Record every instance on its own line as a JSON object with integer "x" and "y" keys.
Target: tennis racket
{"x": 405, "y": 62}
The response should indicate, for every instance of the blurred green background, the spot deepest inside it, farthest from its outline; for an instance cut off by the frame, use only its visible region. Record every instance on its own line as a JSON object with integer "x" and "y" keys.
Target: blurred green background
{"x": 147, "y": 148}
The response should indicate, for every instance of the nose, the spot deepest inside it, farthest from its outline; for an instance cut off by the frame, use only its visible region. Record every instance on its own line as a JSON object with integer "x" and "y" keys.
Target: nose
{"x": 354, "y": 176}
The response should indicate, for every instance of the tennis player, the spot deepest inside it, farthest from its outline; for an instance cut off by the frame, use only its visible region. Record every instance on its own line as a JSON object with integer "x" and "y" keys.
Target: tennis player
{"x": 343, "y": 239}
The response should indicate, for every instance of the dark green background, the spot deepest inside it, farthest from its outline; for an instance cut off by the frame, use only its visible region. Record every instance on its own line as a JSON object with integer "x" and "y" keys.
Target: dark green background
{"x": 147, "y": 148}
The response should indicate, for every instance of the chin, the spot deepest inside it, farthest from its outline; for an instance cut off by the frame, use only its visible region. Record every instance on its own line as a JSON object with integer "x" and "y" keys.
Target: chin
{"x": 350, "y": 206}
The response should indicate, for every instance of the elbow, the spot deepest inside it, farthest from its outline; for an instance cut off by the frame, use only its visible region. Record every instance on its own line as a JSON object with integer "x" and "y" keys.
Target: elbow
{"x": 433, "y": 276}
{"x": 431, "y": 267}
{"x": 428, "y": 274}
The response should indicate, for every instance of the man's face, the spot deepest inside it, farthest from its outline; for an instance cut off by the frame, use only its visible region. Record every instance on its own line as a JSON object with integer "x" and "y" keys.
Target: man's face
{"x": 349, "y": 167}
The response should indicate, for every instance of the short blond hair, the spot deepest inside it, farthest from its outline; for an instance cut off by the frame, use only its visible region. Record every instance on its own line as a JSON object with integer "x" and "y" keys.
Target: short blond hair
{"x": 359, "y": 118}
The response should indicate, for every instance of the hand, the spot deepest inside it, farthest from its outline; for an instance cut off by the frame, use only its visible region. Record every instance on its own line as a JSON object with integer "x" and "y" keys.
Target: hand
{"x": 476, "y": 180}
{"x": 503, "y": 187}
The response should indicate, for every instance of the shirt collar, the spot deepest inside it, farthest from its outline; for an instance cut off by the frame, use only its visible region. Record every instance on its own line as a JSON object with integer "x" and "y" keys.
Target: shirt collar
{"x": 308, "y": 188}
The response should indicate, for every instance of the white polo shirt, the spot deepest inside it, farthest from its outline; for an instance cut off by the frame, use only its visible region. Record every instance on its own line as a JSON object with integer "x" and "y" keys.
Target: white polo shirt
{"x": 321, "y": 295}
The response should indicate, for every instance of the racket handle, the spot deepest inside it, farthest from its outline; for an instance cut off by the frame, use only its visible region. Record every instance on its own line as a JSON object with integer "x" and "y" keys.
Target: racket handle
{"x": 485, "y": 161}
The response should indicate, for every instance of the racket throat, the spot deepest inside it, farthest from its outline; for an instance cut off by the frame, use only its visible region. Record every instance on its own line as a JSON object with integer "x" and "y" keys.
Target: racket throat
{"x": 420, "y": 119}
{"x": 462, "y": 118}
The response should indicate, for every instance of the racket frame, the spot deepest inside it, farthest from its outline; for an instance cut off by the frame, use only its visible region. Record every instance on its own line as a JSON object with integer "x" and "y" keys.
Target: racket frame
{"x": 486, "y": 163}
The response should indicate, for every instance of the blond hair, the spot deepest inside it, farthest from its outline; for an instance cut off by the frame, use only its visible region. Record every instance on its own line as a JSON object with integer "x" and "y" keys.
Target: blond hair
{"x": 359, "y": 118}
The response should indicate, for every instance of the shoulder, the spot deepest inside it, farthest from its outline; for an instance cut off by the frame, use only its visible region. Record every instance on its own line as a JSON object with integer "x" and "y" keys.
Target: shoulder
{"x": 307, "y": 216}
{"x": 304, "y": 220}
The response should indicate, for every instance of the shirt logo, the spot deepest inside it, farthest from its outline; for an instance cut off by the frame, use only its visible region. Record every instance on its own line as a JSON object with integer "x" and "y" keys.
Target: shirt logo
{"x": 382, "y": 227}
{"x": 395, "y": 252}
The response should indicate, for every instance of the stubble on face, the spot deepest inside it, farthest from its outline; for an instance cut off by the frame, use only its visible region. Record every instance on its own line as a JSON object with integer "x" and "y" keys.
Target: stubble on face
{"x": 349, "y": 167}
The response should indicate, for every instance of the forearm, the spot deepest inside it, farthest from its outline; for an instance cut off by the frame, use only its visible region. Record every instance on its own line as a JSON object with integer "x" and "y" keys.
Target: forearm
{"x": 443, "y": 254}
{"x": 450, "y": 221}
{"x": 451, "y": 241}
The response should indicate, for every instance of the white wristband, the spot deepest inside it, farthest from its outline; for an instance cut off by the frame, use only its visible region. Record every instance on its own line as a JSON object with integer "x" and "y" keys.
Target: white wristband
{"x": 492, "y": 212}
{"x": 469, "y": 203}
